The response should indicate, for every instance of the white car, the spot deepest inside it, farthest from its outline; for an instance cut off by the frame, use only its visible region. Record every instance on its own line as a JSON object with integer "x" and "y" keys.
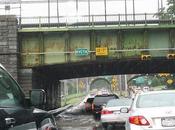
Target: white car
{"x": 153, "y": 110}
{"x": 111, "y": 114}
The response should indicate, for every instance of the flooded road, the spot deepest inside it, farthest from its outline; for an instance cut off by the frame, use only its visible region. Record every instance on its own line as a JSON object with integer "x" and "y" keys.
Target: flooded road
{"x": 77, "y": 122}
{"x": 75, "y": 119}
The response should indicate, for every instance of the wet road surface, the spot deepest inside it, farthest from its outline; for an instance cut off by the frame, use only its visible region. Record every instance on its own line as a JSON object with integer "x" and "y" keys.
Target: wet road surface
{"x": 75, "y": 119}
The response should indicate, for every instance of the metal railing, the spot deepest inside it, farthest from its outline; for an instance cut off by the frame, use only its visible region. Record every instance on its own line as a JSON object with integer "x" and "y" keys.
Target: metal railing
{"x": 95, "y": 20}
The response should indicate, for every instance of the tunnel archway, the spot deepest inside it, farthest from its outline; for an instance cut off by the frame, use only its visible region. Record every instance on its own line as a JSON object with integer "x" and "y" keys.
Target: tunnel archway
{"x": 100, "y": 83}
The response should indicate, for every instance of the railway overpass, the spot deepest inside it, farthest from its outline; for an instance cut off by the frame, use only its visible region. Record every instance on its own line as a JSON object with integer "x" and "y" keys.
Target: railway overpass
{"x": 56, "y": 51}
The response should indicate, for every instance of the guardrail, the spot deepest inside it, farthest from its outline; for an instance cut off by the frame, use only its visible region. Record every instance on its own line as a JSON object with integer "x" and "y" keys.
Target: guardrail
{"x": 96, "y": 20}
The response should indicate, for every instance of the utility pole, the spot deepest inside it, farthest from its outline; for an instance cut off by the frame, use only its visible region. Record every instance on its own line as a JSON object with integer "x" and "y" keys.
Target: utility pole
{"x": 89, "y": 11}
{"x": 105, "y": 11}
{"x": 20, "y": 13}
{"x": 161, "y": 4}
{"x": 77, "y": 10}
{"x": 158, "y": 6}
{"x": 126, "y": 85}
{"x": 77, "y": 84}
{"x": 48, "y": 11}
{"x": 125, "y": 11}
{"x": 133, "y": 10}
{"x": 120, "y": 84}
{"x": 58, "y": 12}
{"x": 87, "y": 85}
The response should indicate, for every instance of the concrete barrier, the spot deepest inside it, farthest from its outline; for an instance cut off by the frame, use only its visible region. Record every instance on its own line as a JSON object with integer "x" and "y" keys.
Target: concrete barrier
{"x": 55, "y": 112}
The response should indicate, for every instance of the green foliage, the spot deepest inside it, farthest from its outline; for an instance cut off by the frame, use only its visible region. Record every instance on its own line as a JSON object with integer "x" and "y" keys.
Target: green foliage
{"x": 71, "y": 88}
{"x": 156, "y": 82}
{"x": 168, "y": 13}
{"x": 171, "y": 8}
{"x": 72, "y": 99}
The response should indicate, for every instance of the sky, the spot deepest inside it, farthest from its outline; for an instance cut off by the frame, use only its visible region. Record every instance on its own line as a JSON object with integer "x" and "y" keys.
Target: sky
{"x": 69, "y": 8}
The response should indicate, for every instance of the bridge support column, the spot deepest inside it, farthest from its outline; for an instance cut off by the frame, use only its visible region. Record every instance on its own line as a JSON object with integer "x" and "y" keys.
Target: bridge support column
{"x": 172, "y": 40}
{"x": 52, "y": 88}
{"x": 53, "y": 91}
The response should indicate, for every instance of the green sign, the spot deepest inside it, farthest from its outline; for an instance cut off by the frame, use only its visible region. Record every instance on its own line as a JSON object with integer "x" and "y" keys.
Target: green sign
{"x": 140, "y": 80}
{"x": 81, "y": 52}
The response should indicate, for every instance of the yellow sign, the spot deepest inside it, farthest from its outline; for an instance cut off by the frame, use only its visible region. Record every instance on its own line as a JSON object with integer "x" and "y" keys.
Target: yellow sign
{"x": 101, "y": 51}
{"x": 163, "y": 74}
{"x": 169, "y": 81}
{"x": 81, "y": 84}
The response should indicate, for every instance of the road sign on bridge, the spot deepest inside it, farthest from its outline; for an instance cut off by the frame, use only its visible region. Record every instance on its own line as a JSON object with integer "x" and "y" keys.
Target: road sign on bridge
{"x": 81, "y": 52}
{"x": 101, "y": 51}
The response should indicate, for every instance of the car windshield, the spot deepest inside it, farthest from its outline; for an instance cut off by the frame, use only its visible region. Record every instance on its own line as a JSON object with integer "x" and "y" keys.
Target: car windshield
{"x": 10, "y": 93}
{"x": 119, "y": 102}
{"x": 100, "y": 100}
{"x": 90, "y": 100}
{"x": 156, "y": 100}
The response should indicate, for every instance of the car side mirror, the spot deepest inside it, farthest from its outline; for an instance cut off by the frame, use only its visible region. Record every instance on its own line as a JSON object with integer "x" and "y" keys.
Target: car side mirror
{"x": 37, "y": 97}
{"x": 104, "y": 105}
{"x": 124, "y": 110}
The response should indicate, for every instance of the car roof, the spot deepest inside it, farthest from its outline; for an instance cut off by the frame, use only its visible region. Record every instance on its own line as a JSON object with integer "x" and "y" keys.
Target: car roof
{"x": 121, "y": 99}
{"x": 154, "y": 92}
{"x": 2, "y": 66}
{"x": 106, "y": 95}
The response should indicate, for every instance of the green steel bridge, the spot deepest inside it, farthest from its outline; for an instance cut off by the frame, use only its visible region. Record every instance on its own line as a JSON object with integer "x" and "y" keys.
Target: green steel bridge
{"x": 54, "y": 40}
{"x": 71, "y": 47}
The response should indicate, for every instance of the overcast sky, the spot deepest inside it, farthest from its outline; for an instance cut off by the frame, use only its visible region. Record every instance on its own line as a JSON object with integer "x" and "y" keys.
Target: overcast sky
{"x": 97, "y": 7}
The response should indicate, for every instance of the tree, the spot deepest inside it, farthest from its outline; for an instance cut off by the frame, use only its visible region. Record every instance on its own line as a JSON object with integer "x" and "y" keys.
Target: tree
{"x": 171, "y": 8}
{"x": 168, "y": 13}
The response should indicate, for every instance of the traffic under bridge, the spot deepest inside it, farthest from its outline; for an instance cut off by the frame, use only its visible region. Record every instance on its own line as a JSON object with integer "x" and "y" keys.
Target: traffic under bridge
{"x": 48, "y": 76}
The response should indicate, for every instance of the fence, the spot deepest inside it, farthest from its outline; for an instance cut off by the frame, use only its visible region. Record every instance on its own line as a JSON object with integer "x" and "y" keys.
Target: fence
{"x": 95, "y": 20}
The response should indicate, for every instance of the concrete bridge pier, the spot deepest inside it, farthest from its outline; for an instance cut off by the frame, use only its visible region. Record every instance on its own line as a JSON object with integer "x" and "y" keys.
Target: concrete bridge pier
{"x": 53, "y": 94}
{"x": 52, "y": 88}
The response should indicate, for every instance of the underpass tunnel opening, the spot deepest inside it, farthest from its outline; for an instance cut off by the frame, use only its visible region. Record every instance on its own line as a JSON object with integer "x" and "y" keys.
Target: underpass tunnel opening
{"x": 48, "y": 77}
{"x": 99, "y": 84}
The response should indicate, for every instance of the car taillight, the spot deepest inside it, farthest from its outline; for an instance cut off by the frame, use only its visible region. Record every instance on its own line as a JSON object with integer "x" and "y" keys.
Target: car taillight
{"x": 103, "y": 112}
{"x": 92, "y": 106}
{"x": 138, "y": 120}
{"x": 50, "y": 128}
{"x": 47, "y": 128}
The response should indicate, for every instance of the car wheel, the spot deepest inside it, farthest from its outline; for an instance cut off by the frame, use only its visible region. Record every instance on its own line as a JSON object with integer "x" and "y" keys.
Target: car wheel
{"x": 105, "y": 126}
{"x": 97, "y": 116}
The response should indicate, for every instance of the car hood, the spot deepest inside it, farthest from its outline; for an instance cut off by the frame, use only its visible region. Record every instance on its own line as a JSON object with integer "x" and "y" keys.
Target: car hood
{"x": 24, "y": 118}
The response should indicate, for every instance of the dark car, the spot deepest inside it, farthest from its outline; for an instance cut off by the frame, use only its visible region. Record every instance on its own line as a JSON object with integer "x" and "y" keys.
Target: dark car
{"x": 88, "y": 104}
{"x": 99, "y": 101}
{"x": 19, "y": 113}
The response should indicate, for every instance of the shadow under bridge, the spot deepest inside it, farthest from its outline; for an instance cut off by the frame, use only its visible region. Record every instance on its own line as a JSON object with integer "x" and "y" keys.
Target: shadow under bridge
{"x": 48, "y": 77}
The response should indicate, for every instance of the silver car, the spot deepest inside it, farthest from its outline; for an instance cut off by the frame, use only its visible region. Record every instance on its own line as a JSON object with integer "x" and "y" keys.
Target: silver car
{"x": 111, "y": 114}
{"x": 154, "y": 110}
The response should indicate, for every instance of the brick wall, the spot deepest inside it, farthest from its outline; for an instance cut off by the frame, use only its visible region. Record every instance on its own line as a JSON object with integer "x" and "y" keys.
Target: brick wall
{"x": 8, "y": 44}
